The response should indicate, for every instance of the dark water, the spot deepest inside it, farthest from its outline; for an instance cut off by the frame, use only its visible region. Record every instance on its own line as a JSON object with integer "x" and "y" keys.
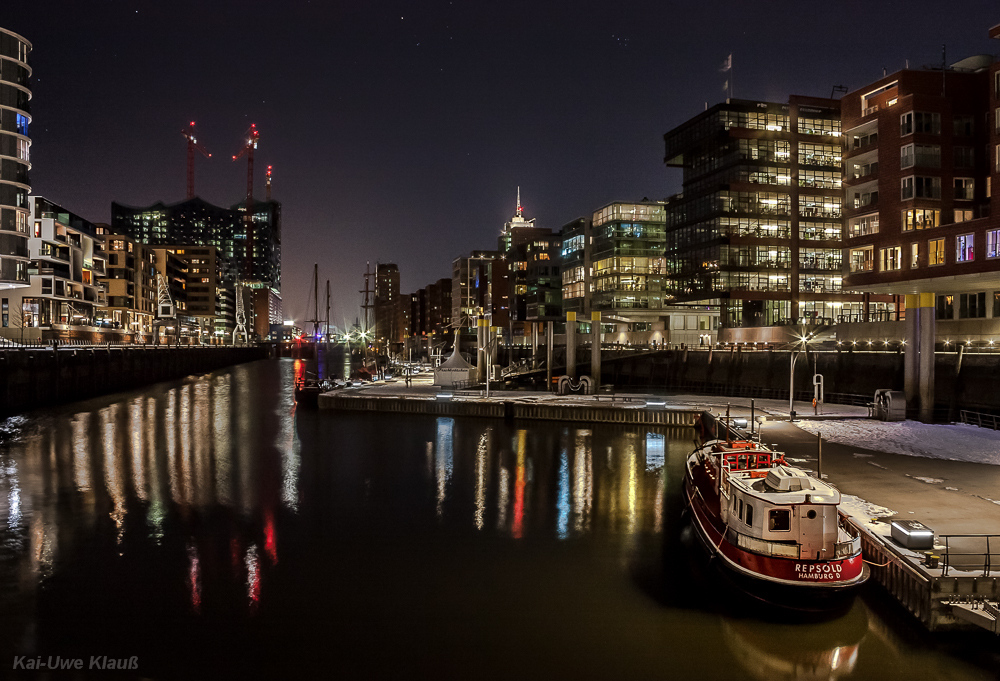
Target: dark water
{"x": 212, "y": 531}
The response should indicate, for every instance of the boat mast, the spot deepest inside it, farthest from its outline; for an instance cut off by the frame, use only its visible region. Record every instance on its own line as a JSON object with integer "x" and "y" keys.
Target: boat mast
{"x": 315, "y": 300}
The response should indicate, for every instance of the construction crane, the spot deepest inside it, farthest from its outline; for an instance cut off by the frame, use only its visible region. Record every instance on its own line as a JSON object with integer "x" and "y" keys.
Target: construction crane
{"x": 192, "y": 146}
{"x": 268, "y": 183}
{"x": 240, "y": 332}
{"x": 249, "y": 145}
{"x": 166, "y": 312}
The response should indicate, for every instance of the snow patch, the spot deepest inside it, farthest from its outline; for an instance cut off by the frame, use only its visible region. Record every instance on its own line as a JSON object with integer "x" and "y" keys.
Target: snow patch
{"x": 952, "y": 442}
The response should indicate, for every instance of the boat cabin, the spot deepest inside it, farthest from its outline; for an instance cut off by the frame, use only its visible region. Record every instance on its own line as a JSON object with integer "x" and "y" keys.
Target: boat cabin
{"x": 778, "y": 508}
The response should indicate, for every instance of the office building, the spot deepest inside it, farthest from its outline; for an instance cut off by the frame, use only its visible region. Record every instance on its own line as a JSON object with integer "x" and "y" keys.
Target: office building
{"x": 756, "y": 235}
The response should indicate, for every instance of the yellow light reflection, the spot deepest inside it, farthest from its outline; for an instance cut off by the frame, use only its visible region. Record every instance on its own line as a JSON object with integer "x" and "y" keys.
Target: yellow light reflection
{"x": 481, "y": 453}
{"x": 113, "y": 478}
{"x": 136, "y": 430}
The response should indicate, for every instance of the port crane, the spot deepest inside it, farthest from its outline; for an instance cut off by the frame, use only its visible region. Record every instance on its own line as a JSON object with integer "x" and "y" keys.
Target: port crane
{"x": 166, "y": 311}
{"x": 240, "y": 334}
{"x": 252, "y": 138}
{"x": 192, "y": 146}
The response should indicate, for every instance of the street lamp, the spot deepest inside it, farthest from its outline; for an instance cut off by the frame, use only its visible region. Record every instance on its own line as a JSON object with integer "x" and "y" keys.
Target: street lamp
{"x": 803, "y": 341}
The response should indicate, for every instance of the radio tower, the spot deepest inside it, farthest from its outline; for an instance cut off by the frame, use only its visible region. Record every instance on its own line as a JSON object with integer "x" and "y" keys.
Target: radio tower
{"x": 268, "y": 185}
{"x": 192, "y": 145}
{"x": 252, "y": 139}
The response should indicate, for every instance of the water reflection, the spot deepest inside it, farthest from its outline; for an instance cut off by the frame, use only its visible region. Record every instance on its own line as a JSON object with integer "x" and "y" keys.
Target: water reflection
{"x": 213, "y": 503}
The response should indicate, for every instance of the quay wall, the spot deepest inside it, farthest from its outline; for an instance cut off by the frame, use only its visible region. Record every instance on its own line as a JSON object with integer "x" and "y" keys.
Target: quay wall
{"x": 927, "y": 594}
{"x": 512, "y": 410}
{"x": 962, "y": 380}
{"x": 39, "y": 377}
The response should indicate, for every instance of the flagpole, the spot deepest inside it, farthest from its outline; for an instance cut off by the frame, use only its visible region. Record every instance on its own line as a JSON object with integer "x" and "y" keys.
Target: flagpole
{"x": 731, "y": 84}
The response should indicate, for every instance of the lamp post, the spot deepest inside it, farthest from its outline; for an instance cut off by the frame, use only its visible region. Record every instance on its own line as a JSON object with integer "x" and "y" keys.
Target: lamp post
{"x": 804, "y": 342}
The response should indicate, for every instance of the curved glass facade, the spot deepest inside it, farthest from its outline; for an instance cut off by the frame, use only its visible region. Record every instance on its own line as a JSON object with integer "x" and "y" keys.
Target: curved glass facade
{"x": 15, "y": 158}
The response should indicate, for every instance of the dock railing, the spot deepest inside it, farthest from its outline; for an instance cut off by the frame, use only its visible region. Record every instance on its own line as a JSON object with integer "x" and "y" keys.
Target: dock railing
{"x": 989, "y": 557}
{"x": 975, "y": 418}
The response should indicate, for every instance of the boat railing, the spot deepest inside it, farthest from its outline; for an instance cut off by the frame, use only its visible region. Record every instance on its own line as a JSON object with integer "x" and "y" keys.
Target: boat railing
{"x": 747, "y": 461}
{"x": 762, "y": 546}
{"x": 844, "y": 549}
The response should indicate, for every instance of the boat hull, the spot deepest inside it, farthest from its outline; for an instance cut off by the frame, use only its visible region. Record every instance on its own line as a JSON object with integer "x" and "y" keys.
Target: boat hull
{"x": 786, "y": 582}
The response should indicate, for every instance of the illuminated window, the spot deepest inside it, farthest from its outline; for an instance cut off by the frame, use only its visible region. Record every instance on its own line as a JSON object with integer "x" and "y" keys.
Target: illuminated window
{"x": 862, "y": 259}
{"x": 993, "y": 243}
{"x": 914, "y": 256}
{"x": 964, "y": 248}
{"x": 863, "y": 225}
{"x": 920, "y": 218}
{"x": 890, "y": 259}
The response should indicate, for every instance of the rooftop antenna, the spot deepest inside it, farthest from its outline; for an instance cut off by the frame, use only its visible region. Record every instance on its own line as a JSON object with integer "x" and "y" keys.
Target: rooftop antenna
{"x": 944, "y": 69}
{"x": 519, "y": 210}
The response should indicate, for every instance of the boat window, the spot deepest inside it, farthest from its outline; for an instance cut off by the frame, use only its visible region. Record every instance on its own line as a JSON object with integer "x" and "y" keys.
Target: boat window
{"x": 740, "y": 512}
{"x": 779, "y": 520}
{"x": 749, "y": 519}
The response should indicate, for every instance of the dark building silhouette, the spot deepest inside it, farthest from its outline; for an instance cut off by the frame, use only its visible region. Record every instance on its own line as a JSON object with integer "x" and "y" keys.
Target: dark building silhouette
{"x": 196, "y": 222}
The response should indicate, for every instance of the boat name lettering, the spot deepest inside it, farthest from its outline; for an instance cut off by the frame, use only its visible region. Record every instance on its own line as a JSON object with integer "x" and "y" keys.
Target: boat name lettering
{"x": 822, "y": 567}
{"x": 823, "y": 571}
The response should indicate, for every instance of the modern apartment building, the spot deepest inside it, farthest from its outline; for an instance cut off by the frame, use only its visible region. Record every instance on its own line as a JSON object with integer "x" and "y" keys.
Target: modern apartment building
{"x": 130, "y": 285}
{"x": 922, "y": 151}
{"x": 64, "y": 296}
{"x": 15, "y": 162}
{"x": 756, "y": 234}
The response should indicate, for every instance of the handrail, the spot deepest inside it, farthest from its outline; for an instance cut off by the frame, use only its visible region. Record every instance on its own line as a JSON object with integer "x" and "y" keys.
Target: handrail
{"x": 975, "y": 418}
{"x": 987, "y": 555}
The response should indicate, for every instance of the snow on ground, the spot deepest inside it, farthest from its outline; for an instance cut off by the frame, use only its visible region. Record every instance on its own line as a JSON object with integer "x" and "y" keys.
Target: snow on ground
{"x": 955, "y": 442}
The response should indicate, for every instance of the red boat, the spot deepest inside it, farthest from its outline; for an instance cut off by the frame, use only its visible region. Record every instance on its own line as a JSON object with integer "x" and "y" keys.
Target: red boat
{"x": 771, "y": 525}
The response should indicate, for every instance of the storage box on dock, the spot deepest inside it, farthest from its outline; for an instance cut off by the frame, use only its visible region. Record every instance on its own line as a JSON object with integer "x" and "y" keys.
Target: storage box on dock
{"x": 912, "y": 534}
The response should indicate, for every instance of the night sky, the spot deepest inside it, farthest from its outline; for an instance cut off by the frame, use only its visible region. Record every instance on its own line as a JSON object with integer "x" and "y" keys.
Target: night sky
{"x": 400, "y": 131}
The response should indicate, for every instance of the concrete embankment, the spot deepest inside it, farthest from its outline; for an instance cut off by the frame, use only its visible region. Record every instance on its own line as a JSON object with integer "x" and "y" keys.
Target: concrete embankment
{"x": 510, "y": 409}
{"x": 39, "y": 377}
{"x": 962, "y": 380}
